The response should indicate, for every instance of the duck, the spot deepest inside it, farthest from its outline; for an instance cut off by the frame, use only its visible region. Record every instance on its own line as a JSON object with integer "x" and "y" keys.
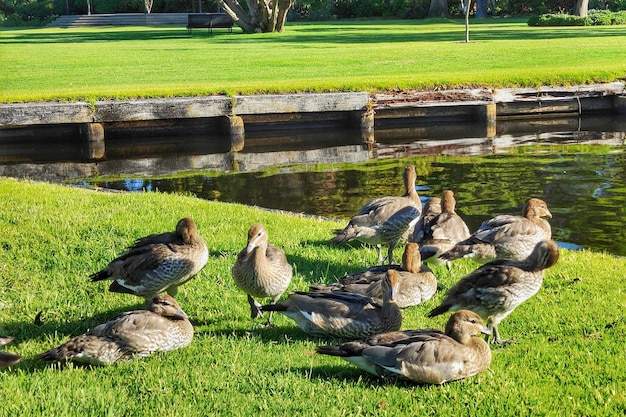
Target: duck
{"x": 423, "y": 356}
{"x": 417, "y": 282}
{"x": 343, "y": 315}
{"x": 163, "y": 327}
{"x": 7, "y": 358}
{"x": 442, "y": 231}
{"x": 506, "y": 236}
{"x": 157, "y": 263}
{"x": 432, "y": 208}
{"x": 496, "y": 288}
{"x": 386, "y": 220}
{"x": 261, "y": 270}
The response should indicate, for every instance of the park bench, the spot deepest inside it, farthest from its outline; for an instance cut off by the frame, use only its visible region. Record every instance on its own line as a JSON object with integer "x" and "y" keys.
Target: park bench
{"x": 209, "y": 21}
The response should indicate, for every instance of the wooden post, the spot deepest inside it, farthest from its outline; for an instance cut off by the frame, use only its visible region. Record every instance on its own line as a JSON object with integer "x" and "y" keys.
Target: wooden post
{"x": 367, "y": 120}
{"x": 362, "y": 119}
{"x": 235, "y": 129}
{"x": 93, "y": 136}
{"x": 487, "y": 113}
{"x": 368, "y": 139}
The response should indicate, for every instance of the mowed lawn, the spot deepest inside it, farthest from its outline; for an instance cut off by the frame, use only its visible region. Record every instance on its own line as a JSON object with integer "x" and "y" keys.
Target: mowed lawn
{"x": 123, "y": 62}
{"x": 568, "y": 359}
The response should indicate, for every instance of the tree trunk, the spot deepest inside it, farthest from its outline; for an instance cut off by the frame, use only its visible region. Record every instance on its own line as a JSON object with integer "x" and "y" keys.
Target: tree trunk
{"x": 239, "y": 15}
{"x": 261, "y": 15}
{"x": 438, "y": 8}
{"x": 581, "y": 8}
{"x": 281, "y": 18}
{"x": 468, "y": 8}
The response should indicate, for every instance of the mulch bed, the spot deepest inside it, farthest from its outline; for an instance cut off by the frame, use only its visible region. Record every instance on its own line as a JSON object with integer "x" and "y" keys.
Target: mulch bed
{"x": 416, "y": 96}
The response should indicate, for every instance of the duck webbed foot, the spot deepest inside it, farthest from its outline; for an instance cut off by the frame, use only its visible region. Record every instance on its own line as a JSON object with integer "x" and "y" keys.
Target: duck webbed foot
{"x": 496, "y": 338}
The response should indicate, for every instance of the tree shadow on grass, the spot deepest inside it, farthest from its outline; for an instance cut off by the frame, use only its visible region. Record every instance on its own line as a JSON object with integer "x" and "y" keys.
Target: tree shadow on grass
{"x": 341, "y": 32}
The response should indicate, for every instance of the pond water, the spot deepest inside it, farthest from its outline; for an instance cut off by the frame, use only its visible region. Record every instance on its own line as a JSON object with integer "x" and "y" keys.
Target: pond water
{"x": 576, "y": 165}
{"x": 582, "y": 180}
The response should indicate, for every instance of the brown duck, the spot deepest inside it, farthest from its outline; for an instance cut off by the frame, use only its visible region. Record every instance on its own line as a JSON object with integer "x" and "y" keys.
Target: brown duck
{"x": 7, "y": 358}
{"x": 385, "y": 220}
{"x": 443, "y": 231}
{"x": 345, "y": 315}
{"x": 432, "y": 209}
{"x": 162, "y": 328}
{"x": 506, "y": 236}
{"x": 423, "y": 356}
{"x": 417, "y": 283}
{"x": 157, "y": 263}
{"x": 495, "y": 289}
{"x": 261, "y": 270}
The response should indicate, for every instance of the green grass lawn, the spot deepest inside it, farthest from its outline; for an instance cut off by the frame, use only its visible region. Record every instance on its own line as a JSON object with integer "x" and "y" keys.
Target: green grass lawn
{"x": 568, "y": 359}
{"x": 128, "y": 62}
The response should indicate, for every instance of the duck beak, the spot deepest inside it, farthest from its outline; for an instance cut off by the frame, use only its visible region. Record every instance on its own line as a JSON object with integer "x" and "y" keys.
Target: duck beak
{"x": 5, "y": 340}
{"x": 180, "y": 315}
{"x": 486, "y": 330}
{"x": 548, "y": 214}
{"x": 392, "y": 292}
{"x": 251, "y": 245}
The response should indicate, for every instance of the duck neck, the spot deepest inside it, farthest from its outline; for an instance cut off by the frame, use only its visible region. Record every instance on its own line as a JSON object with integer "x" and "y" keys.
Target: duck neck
{"x": 390, "y": 314}
{"x": 448, "y": 206}
{"x": 409, "y": 185}
{"x": 258, "y": 254}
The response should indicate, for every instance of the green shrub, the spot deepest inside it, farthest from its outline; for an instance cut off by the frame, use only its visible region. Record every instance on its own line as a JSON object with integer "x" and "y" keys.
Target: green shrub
{"x": 613, "y": 5}
{"x": 601, "y": 17}
{"x": 408, "y": 9}
{"x": 347, "y": 9}
{"x": 619, "y": 18}
{"x": 594, "y": 18}
{"x": 26, "y": 13}
{"x": 310, "y": 10}
{"x": 560, "y": 19}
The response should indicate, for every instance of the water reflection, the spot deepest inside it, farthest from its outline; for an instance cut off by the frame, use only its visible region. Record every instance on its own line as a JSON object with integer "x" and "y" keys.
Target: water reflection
{"x": 586, "y": 192}
{"x": 580, "y": 173}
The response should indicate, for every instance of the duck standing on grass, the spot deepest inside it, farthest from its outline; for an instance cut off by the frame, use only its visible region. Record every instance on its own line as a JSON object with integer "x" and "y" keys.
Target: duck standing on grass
{"x": 506, "y": 236}
{"x": 417, "y": 283}
{"x": 443, "y": 231}
{"x": 261, "y": 270}
{"x": 163, "y": 327}
{"x": 385, "y": 220}
{"x": 423, "y": 356}
{"x": 7, "y": 358}
{"x": 345, "y": 315}
{"x": 157, "y": 263}
{"x": 495, "y": 289}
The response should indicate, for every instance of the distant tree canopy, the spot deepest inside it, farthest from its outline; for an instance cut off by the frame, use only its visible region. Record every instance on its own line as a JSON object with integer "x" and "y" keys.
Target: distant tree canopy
{"x": 39, "y": 12}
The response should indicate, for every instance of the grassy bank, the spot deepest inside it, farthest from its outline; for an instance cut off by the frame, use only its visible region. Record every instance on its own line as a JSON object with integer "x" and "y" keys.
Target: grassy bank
{"x": 569, "y": 358}
{"x": 121, "y": 62}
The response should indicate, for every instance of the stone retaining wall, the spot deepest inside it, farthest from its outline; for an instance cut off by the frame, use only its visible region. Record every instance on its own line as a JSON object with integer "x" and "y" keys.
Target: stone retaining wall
{"x": 358, "y": 110}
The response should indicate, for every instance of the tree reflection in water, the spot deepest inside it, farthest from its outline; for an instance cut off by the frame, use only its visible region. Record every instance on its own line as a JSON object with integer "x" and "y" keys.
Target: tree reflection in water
{"x": 584, "y": 186}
